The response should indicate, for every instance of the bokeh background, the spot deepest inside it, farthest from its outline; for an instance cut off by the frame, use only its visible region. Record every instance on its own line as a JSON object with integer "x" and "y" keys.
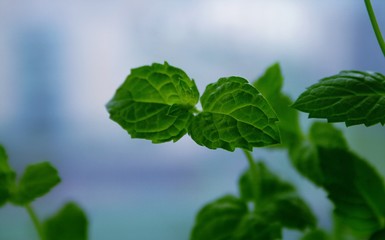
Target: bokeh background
{"x": 61, "y": 61}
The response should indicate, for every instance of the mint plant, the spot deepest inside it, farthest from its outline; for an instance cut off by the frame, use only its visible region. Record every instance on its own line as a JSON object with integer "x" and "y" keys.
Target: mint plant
{"x": 38, "y": 179}
{"x": 158, "y": 103}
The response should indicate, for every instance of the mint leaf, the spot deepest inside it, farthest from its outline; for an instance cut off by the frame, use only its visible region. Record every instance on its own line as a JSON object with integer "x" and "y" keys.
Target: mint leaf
{"x": 155, "y": 103}
{"x": 270, "y": 85}
{"x": 278, "y": 201}
{"x": 254, "y": 227}
{"x": 270, "y": 185}
{"x": 353, "y": 97}
{"x": 235, "y": 115}
{"x": 327, "y": 136}
{"x": 37, "y": 180}
{"x": 305, "y": 157}
{"x": 355, "y": 188}
{"x": 290, "y": 211}
{"x": 316, "y": 234}
{"x": 7, "y": 177}
{"x": 70, "y": 223}
{"x": 229, "y": 218}
{"x": 271, "y": 82}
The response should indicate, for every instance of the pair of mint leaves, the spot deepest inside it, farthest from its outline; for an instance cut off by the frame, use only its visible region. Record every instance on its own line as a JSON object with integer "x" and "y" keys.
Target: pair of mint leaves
{"x": 38, "y": 179}
{"x": 158, "y": 103}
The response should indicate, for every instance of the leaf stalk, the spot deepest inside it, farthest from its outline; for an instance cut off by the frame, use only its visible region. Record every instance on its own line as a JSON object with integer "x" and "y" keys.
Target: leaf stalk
{"x": 375, "y": 26}
{"x": 255, "y": 176}
{"x": 35, "y": 221}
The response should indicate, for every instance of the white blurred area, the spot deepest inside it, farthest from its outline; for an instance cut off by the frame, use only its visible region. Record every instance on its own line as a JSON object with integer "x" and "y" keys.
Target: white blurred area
{"x": 61, "y": 61}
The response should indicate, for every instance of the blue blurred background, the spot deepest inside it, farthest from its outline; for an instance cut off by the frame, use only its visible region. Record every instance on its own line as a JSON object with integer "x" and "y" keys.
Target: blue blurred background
{"x": 61, "y": 61}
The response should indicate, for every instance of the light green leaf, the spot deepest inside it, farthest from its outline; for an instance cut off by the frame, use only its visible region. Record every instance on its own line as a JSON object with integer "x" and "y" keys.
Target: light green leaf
{"x": 7, "y": 177}
{"x": 155, "y": 103}
{"x": 355, "y": 188}
{"x": 316, "y": 234}
{"x": 353, "y": 97}
{"x": 37, "y": 180}
{"x": 229, "y": 218}
{"x": 70, "y": 223}
{"x": 235, "y": 115}
{"x": 270, "y": 85}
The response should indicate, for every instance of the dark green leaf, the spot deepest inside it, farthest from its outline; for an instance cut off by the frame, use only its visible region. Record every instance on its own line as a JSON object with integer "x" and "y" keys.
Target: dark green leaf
{"x": 291, "y": 211}
{"x": 37, "y": 180}
{"x": 304, "y": 158}
{"x": 228, "y": 218}
{"x": 355, "y": 188}
{"x": 7, "y": 177}
{"x": 235, "y": 115}
{"x": 327, "y": 136}
{"x": 70, "y": 223}
{"x": 253, "y": 227}
{"x": 316, "y": 235}
{"x": 219, "y": 219}
{"x": 278, "y": 200}
{"x": 380, "y": 235}
{"x": 270, "y": 185}
{"x": 270, "y": 85}
{"x": 353, "y": 97}
{"x": 155, "y": 103}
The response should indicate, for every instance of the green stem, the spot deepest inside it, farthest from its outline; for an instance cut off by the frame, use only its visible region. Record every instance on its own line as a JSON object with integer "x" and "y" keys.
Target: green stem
{"x": 255, "y": 178}
{"x": 35, "y": 221}
{"x": 375, "y": 26}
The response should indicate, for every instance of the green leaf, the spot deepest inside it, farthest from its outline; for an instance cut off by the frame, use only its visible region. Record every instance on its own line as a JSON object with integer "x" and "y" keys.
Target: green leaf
{"x": 291, "y": 211}
{"x": 270, "y": 185}
{"x": 316, "y": 234}
{"x": 353, "y": 97}
{"x": 229, "y": 218}
{"x": 327, "y": 136}
{"x": 235, "y": 115}
{"x": 278, "y": 201}
{"x": 155, "y": 103}
{"x": 270, "y": 85}
{"x": 380, "y": 235}
{"x": 70, "y": 223}
{"x": 304, "y": 156}
{"x": 7, "y": 177}
{"x": 37, "y": 180}
{"x": 254, "y": 227}
{"x": 355, "y": 188}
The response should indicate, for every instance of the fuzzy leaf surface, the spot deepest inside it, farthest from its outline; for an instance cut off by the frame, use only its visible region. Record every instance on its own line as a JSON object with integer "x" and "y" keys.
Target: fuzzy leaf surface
{"x": 235, "y": 115}
{"x": 353, "y": 97}
{"x": 270, "y": 85}
{"x": 316, "y": 234}
{"x": 69, "y": 223}
{"x": 37, "y": 180}
{"x": 355, "y": 188}
{"x": 155, "y": 103}
{"x": 379, "y": 235}
{"x": 228, "y": 218}
{"x": 7, "y": 177}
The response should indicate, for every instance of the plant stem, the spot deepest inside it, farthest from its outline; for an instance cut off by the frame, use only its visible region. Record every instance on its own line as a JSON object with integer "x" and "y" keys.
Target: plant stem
{"x": 375, "y": 26}
{"x": 255, "y": 178}
{"x": 35, "y": 221}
